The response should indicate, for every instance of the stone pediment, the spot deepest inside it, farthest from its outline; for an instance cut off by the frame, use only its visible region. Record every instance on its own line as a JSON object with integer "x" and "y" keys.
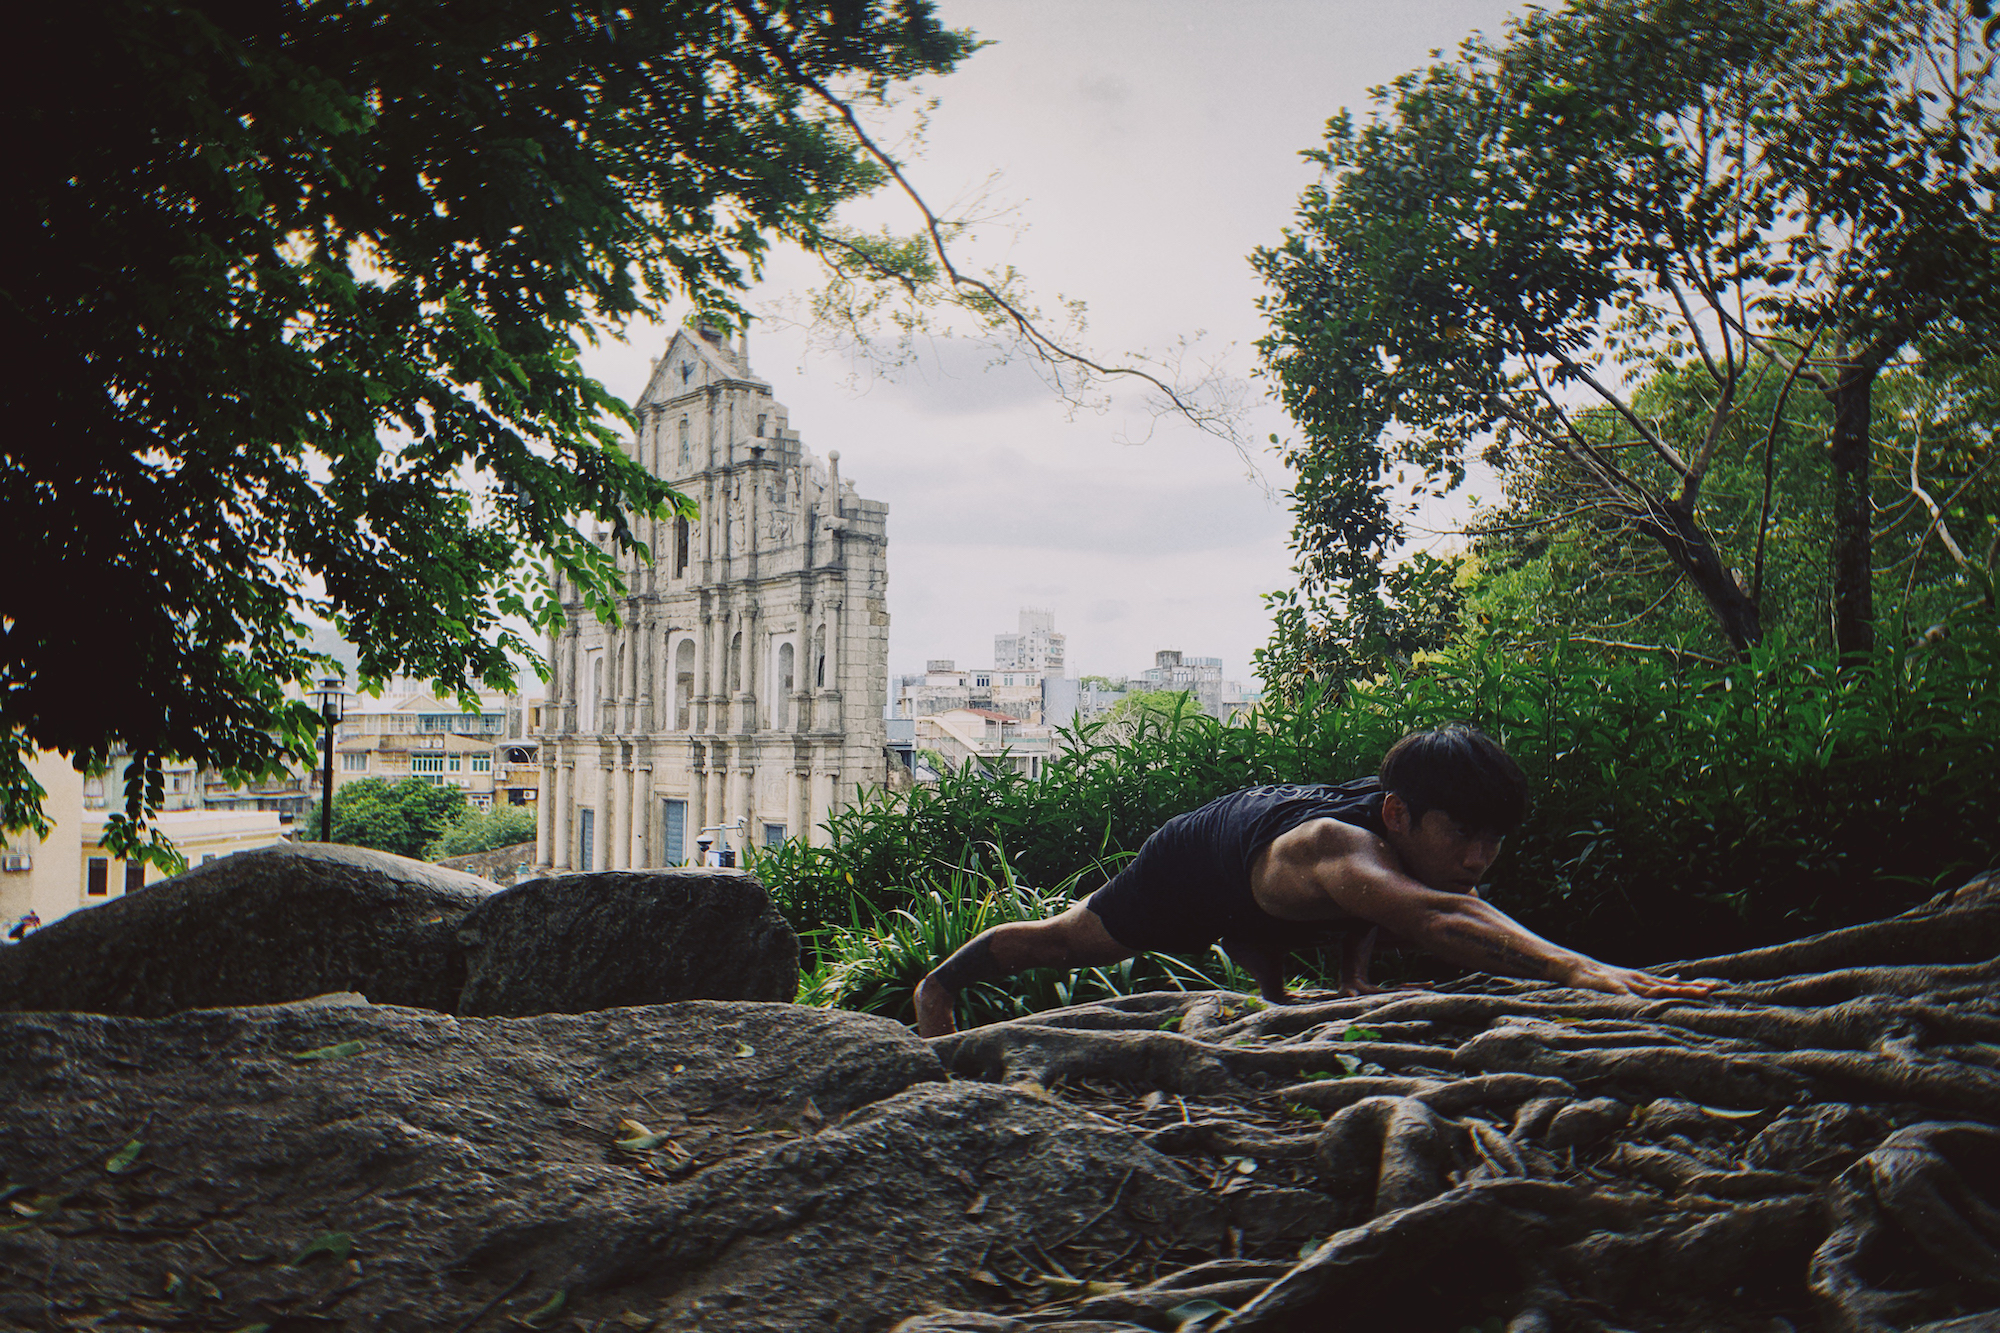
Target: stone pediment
{"x": 692, "y": 362}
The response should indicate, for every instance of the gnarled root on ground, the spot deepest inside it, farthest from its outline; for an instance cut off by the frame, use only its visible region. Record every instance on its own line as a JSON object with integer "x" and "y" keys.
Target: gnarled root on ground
{"x": 1815, "y": 1145}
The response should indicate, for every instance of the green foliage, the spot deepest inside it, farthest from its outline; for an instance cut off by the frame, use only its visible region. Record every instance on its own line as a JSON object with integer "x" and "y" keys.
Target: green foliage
{"x": 476, "y": 830}
{"x": 1616, "y": 196}
{"x": 298, "y": 291}
{"x": 1161, "y": 705}
{"x": 873, "y": 963}
{"x": 1680, "y": 808}
{"x": 1549, "y": 565}
{"x": 402, "y": 817}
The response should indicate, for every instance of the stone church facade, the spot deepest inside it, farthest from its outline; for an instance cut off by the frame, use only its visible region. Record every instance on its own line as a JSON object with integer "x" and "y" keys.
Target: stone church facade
{"x": 740, "y": 696}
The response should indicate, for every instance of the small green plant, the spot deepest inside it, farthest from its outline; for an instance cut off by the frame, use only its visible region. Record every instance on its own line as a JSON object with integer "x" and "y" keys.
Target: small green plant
{"x": 873, "y": 963}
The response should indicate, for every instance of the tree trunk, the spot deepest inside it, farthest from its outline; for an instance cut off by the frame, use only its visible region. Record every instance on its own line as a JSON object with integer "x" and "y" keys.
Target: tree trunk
{"x": 1853, "y": 510}
{"x": 1694, "y": 554}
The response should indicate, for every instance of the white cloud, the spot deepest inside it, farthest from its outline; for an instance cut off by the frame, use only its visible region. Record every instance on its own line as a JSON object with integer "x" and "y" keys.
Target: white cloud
{"x": 1150, "y": 146}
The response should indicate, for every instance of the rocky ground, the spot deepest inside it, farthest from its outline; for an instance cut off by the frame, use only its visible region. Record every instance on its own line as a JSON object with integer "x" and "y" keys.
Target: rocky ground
{"x": 1816, "y": 1146}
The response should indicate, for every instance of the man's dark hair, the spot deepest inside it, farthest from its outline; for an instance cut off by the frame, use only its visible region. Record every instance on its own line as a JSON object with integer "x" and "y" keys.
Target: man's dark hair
{"x": 1460, "y": 770}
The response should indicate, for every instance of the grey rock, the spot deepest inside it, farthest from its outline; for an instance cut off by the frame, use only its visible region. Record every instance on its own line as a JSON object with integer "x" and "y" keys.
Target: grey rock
{"x": 259, "y": 927}
{"x": 815, "y": 1171}
{"x": 575, "y": 943}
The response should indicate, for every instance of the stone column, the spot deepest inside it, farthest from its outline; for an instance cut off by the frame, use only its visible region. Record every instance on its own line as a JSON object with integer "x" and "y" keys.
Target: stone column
{"x": 698, "y": 715}
{"x": 739, "y": 804}
{"x": 566, "y": 708}
{"x": 718, "y": 781}
{"x": 831, "y": 719}
{"x": 627, "y": 650}
{"x": 795, "y": 804}
{"x": 823, "y": 787}
{"x": 545, "y": 814}
{"x": 619, "y": 853}
{"x": 600, "y": 827}
{"x": 642, "y": 817}
{"x": 560, "y": 820}
{"x": 697, "y": 806}
{"x": 746, "y": 711}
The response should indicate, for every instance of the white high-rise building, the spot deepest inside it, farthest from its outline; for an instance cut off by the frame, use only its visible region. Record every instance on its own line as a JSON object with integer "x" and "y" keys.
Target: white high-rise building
{"x": 1034, "y": 647}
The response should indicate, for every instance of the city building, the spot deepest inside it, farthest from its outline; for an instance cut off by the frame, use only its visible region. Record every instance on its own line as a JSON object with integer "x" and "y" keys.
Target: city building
{"x": 492, "y": 755}
{"x": 945, "y": 686}
{"x": 740, "y": 696}
{"x": 1026, "y": 682}
{"x": 1035, "y": 646}
{"x": 993, "y": 741}
{"x": 71, "y": 868}
{"x": 1199, "y": 676}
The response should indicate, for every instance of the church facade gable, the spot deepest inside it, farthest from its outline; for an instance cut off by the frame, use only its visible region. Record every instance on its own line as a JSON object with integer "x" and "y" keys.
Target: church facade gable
{"x": 740, "y": 696}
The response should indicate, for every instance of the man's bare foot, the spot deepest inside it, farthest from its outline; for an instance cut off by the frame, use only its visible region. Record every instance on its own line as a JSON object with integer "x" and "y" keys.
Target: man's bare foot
{"x": 934, "y": 1005}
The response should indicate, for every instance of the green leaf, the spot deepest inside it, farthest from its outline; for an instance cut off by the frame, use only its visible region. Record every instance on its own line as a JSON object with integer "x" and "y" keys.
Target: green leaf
{"x": 124, "y": 1159}
{"x": 1360, "y": 1034}
{"x": 334, "y": 1244}
{"x": 336, "y": 1052}
{"x": 1193, "y": 1314}
{"x": 546, "y": 1310}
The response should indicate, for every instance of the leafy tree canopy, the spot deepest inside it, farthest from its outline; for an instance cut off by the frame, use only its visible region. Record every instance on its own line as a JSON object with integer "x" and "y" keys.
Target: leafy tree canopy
{"x": 293, "y": 296}
{"x": 1795, "y": 192}
{"x": 1156, "y": 704}
{"x": 478, "y": 830}
{"x": 403, "y": 817}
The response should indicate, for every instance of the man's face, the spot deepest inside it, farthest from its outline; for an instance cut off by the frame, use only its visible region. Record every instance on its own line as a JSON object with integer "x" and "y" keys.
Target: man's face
{"x": 1437, "y": 850}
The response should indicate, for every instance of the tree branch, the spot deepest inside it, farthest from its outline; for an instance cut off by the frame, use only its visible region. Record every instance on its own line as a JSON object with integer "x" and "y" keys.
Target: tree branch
{"x": 1618, "y": 405}
{"x": 1045, "y": 346}
{"x": 1770, "y": 461}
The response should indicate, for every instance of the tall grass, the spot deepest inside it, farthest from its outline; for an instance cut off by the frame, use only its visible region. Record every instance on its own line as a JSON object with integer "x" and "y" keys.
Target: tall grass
{"x": 1680, "y": 808}
{"x": 873, "y": 963}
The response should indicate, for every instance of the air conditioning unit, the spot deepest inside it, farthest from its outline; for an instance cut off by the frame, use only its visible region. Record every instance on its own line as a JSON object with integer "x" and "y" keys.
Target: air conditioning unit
{"x": 14, "y": 861}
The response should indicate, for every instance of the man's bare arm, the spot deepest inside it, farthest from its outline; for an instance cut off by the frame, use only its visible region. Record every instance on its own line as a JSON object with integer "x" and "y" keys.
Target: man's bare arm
{"x": 1364, "y": 878}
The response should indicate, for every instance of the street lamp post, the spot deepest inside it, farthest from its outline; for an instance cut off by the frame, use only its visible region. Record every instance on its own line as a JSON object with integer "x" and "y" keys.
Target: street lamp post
{"x": 329, "y": 695}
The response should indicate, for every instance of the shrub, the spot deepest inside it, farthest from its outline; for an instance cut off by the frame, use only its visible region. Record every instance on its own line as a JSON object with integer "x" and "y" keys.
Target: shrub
{"x": 478, "y": 830}
{"x": 1681, "y": 808}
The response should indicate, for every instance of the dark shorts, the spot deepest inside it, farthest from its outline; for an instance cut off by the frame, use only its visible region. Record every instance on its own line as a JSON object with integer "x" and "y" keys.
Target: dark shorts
{"x": 1172, "y": 897}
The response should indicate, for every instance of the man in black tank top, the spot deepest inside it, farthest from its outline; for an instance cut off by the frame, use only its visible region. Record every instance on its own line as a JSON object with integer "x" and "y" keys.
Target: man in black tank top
{"x": 1268, "y": 870}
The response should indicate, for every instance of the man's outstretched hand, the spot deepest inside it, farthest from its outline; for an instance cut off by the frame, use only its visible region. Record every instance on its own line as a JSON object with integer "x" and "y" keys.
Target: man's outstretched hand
{"x": 1589, "y": 974}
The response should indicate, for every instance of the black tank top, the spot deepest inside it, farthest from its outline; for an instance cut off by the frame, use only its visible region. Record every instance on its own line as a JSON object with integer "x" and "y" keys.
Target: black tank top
{"x": 1243, "y": 823}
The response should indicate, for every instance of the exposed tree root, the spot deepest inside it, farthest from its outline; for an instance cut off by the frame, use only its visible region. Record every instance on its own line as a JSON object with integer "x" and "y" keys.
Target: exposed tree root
{"x": 1818, "y": 1144}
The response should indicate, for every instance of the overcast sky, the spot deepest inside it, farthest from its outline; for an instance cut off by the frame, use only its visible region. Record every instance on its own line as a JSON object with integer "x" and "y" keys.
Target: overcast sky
{"x": 1148, "y": 146}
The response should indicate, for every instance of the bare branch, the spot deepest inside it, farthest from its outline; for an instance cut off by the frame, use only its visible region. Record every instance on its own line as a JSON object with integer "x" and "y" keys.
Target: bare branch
{"x": 1618, "y": 405}
{"x": 1047, "y": 347}
{"x": 1649, "y": 648}
{"x": 1657, "y": 603}
{"x": 1770, "y": 459}
{"x": 1694, "y": 327}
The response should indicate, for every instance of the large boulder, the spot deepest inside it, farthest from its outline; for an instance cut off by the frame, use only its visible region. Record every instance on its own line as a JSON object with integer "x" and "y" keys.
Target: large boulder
{"x": 317, "y": 1167}
{"x": 575, "y": 943}
{"x": 259, "y": 927}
